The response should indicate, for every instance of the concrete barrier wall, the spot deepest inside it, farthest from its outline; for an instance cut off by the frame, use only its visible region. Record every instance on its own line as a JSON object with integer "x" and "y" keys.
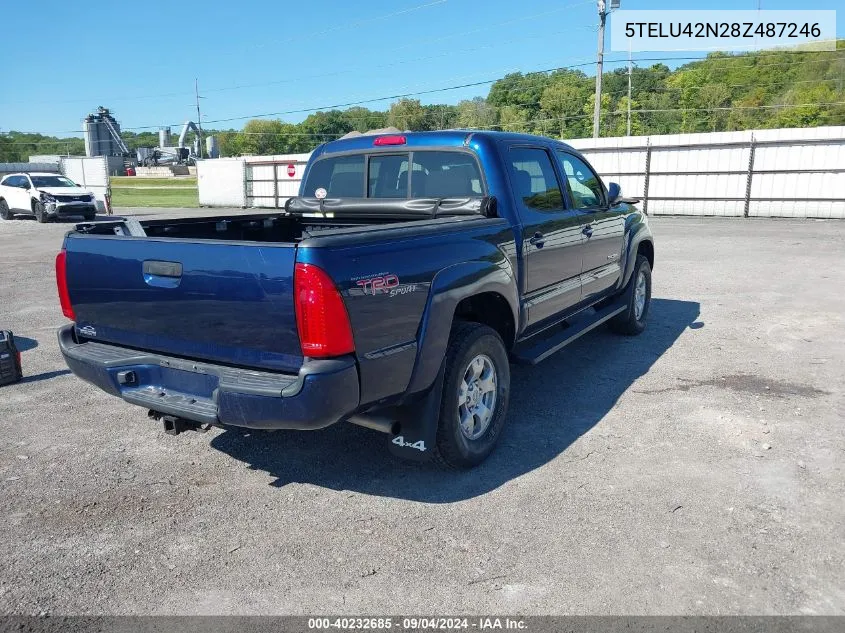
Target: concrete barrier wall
{"x": 798, "y": 172}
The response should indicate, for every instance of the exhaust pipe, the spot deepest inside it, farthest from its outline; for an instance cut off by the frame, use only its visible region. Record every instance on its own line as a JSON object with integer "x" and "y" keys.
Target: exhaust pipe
{"x": 376, "y": 423}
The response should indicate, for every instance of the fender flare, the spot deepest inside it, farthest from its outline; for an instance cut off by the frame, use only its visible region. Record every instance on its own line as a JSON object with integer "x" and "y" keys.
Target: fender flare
{"x": 448, "y": 288}
{"x": 638, "y": 234}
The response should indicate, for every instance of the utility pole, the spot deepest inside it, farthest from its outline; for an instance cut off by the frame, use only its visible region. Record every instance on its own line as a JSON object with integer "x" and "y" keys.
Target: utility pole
{"x": 599, "y": 65}
{"x": 199, "y": 116}
{"x": 630, "y": 70}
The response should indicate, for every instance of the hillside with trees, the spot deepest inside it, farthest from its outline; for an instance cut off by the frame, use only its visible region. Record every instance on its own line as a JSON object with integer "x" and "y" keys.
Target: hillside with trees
{"x": 721, "y": 92}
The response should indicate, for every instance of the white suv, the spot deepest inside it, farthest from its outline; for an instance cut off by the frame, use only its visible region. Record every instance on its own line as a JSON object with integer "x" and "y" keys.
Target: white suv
{"x": 45, "y": 196}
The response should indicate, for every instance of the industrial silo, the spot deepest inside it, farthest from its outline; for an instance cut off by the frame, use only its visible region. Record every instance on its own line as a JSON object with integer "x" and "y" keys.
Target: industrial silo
{"x": 212, "y": 147}
{"x": 91, "y": 129}
{"x": 102, "y": 134}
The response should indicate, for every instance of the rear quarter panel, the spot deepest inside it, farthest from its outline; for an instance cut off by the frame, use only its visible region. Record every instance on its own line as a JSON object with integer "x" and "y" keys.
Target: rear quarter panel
{"x": 393, "y": 283}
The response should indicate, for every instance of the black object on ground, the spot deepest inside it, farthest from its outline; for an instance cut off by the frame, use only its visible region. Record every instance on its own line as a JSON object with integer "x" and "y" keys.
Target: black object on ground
{"x": 10, "y": 359}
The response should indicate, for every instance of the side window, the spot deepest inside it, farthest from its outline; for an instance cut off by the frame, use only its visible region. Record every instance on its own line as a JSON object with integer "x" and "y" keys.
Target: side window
{"x": 533, "y": 179}
{"x": 12, "y": 181}
{"x": 584, "y": 185}
{"x": 388, "y": 176}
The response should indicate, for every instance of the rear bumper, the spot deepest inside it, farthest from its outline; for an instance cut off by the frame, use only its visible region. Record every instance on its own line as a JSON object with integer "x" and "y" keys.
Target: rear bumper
{"x": 324, "y": 392}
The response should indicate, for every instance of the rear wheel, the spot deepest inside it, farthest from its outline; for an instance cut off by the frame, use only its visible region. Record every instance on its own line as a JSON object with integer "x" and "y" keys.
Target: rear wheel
{"x": 633, "y": 320}
{"x": 5, "y": 211}
{"x": 40, "y": 213}
{"x": 476, "y": 388}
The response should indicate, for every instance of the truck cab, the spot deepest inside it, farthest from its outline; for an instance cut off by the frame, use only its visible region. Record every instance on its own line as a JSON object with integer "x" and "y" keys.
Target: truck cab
{"x": 393, "y": 292}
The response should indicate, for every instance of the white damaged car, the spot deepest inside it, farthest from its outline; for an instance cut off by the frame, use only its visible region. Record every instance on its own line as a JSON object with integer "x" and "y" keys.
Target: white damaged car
{"x": 46, "y": 196}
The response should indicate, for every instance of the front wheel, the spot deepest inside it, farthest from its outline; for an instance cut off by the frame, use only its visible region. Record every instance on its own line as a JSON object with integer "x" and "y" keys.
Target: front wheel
{"x": 39, "y": 211}
{"x": 476, "y": 389}
{"x": 5, "y": 211}
{"x": 633, "y": 320}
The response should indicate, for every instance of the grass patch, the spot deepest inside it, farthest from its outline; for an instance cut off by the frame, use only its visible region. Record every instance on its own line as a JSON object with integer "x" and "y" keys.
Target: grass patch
{"x": 118, "y": 182}
{"x": 162, "y": 197}
{"x": 131, "y": 191}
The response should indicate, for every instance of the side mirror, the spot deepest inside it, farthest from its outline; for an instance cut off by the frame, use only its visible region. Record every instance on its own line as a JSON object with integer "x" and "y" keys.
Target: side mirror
{"x": 614, "y": 192}
{"x": 27, "y": 186}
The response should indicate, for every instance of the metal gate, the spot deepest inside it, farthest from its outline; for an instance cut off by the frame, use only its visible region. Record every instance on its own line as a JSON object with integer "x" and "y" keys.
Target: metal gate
{"x": 271, "y": 180}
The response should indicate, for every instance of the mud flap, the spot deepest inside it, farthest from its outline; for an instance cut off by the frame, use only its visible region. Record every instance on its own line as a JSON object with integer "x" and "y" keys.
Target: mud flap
{"x": 418, "y": 425}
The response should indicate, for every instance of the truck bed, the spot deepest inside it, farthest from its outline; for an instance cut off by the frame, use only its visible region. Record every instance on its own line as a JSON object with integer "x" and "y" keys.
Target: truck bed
{"x": 303, "y": 218}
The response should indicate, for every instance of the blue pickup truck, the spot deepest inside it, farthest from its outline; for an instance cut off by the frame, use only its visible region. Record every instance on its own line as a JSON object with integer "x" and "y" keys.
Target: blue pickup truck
{"x": 392, "y": 293}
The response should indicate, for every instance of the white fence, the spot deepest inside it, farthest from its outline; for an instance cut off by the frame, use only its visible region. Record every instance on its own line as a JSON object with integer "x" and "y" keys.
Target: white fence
{"x": 798, "y": 173}
{"x": 92, "y": 173}
{"x": 250, "y": 181}
{"x": 221, "y": 182}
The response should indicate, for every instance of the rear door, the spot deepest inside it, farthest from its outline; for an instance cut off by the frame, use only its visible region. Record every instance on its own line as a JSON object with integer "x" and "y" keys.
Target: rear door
{"x": 603, "y": 227}
{"x": 551, "y": 234}
{"x": 224, "y": 302}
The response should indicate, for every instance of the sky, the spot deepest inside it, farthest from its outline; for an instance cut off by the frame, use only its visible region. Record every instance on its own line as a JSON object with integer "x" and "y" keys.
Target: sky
{"x": 254, "y": 57}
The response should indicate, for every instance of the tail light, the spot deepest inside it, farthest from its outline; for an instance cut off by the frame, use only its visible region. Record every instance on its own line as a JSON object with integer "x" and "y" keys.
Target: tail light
{"x": 321, "y": 317}
{"x": 61, "y": 283}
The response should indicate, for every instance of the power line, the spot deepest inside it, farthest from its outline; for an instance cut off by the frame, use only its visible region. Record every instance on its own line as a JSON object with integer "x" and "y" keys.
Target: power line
{"x": 526, "y": 77}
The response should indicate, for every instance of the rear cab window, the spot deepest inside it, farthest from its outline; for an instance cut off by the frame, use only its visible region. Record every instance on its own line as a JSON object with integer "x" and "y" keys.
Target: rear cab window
{"x": 432, "y": 174}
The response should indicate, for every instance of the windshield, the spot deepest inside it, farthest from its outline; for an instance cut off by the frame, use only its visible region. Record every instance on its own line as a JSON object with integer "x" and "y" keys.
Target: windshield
{"x": 433, "y": 174}
{"x": 52, "y": 181}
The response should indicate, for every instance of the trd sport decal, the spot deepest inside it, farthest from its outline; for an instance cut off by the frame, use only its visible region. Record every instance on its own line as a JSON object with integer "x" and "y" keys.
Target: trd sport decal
{"x": 377, "y": 285}
{"x": 384, "y": 284}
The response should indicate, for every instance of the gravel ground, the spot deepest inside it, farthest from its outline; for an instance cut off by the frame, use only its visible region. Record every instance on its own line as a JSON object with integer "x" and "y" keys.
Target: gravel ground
{"x": 696, "y": 469}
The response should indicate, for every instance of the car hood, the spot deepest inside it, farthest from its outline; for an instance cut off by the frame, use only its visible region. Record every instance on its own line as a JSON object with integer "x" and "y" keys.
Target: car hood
{"x": 65, "y": 191}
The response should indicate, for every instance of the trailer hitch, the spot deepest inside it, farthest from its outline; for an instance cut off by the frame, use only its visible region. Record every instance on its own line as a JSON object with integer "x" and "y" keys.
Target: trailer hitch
{"x": 174, "y": 425}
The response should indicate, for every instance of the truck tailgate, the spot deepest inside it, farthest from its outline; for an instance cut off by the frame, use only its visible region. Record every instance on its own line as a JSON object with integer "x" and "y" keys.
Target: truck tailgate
{"x": 226, "y": 302}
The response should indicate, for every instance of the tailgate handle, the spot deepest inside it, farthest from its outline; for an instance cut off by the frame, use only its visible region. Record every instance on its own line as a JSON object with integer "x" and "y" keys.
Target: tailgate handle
{"x": 162, "y": 269}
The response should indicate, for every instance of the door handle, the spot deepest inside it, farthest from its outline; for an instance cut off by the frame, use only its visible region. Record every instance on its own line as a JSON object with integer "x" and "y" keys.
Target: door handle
{"x": 162, "y": 269}
{"x": 162, "y": 274}
{"x": 588, "y": 231}
{"x": 538, "y": 239}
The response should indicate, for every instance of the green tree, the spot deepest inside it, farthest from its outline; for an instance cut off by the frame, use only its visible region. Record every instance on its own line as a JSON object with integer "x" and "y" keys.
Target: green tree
{"x": 408, "y": 114}
{"x": 514, "y": 119}
{"x": 364, "y": 119}
{"x": 264, "y": 137}
{"x": 326, "y": 126}
{"x": 563, "y": 103}
{"x": 476, "y": 113}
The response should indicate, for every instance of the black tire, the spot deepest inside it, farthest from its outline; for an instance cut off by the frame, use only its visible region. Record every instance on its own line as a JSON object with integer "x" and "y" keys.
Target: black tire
{"x": 40, "y": 213}
{"x": 629, "y": 322}
{"x": 468, "y": 342}
{"x": 5, "y": 211}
